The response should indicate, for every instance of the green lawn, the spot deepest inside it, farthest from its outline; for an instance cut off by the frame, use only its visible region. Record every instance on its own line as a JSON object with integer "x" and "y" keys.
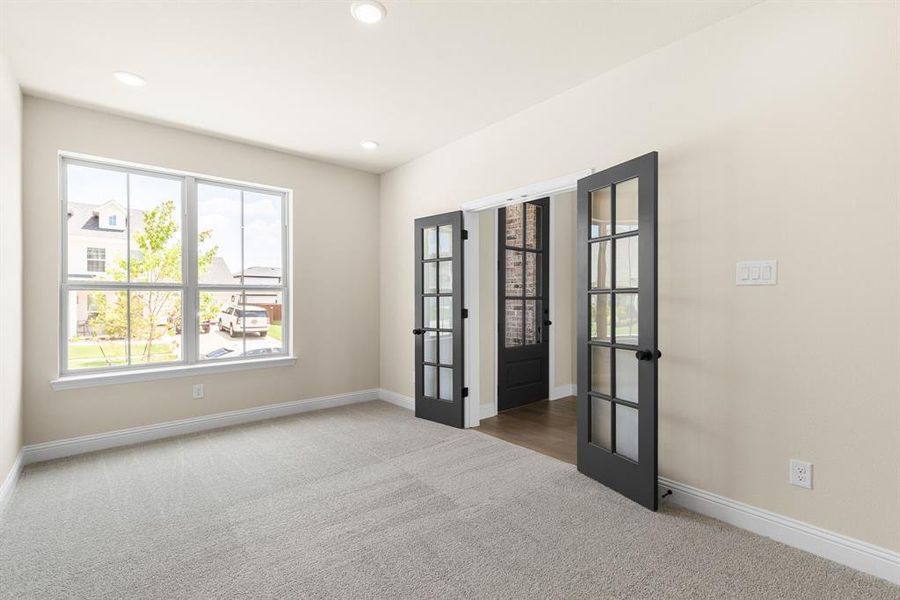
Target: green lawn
{"x": 104, "y": 353}
{"x": 275, "y": 330}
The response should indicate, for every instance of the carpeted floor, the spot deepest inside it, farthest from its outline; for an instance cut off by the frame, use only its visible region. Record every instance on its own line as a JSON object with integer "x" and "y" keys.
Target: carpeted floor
{"x": 366, "y": 501}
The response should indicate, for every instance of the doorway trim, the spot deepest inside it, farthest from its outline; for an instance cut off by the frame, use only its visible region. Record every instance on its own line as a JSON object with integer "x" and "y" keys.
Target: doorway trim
{"x": 474, "y": 353}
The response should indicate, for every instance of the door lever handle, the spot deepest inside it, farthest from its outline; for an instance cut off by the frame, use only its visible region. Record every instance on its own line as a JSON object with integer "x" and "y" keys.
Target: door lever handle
{"x": 418, "y": 331}
{"x": 647, "y": 354}
{"x": 548, "y": 323}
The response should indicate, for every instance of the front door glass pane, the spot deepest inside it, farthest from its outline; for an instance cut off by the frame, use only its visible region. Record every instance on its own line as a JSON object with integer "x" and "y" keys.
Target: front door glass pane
{"x": 533, "y": 226}
{"x": 514, "y": 323}
{"x": 626, "y": 375}
{"x": 514, "y": 220}
{"x": 532, "y": 331}
{"x": 514, "y": 272}
{"x": 627, "y": 431}
{"x": 532, "y": 274}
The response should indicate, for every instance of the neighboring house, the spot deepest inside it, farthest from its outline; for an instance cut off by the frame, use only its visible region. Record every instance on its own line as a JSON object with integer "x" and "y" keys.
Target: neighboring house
{"x": 262, "y": 276}
{"x": 97, "y": 240}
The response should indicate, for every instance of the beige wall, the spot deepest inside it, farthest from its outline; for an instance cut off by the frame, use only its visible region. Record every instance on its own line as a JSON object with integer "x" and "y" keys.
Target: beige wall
{"x": 10, "y": 268}
{"x": 335, "y": 270}
{"x": 778, "y": 137}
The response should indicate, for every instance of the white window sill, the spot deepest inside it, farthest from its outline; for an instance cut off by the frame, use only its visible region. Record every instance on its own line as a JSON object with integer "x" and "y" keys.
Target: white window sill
{"x": 70, "y": 382}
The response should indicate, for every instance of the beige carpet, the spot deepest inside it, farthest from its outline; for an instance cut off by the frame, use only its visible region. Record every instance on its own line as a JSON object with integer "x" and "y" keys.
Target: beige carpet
{"x": 368, "y": 502}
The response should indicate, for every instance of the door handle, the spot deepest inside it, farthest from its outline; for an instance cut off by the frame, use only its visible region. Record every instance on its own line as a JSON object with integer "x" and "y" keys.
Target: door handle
{"x": 418, "y": 331}
{"x": 548, "y": 323}
{"x": 647, "y": 354}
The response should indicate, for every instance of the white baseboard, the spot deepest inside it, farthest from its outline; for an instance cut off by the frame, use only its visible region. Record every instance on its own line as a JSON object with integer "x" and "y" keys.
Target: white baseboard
{"x": 853, "y": 553}
{"x": 12, "y": 477}
{"x": 563, "y": 391}
{"x": 398, "y": 399}
{"x": 488, "y": 411}
{"x": 100, "y": 441}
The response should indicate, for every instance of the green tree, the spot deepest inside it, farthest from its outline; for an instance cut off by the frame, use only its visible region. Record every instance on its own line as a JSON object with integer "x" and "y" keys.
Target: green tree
{"x": 155, "y": 258}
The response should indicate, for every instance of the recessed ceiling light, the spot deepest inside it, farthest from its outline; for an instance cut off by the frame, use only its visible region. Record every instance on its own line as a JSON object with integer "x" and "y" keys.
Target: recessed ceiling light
{"x": 368, "y": 144}
{"x": 130, "y": 79}
{"x": 367, "y": 11}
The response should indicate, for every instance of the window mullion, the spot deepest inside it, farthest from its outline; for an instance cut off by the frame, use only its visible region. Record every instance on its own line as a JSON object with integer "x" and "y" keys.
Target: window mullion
{"x": 190, "y": 297}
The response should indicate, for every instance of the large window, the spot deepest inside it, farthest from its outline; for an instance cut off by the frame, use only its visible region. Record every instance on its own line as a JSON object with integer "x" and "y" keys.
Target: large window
{"x": 169, "y": 269}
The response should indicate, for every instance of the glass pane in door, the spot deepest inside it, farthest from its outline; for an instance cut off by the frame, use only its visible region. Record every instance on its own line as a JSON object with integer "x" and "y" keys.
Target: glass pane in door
{"x": 600, "y": 423}
{"x": 445, "y": 271}
{"x": 429, "y": 277}
{"x": 532, "y": 274}
{"x": 627, "y": 206}
{"x": 430, "y": 312}
{"x": 446, "y": 348}
{"x": 430, "y": 343}
{"x": 626, "y": 376}
{"x": 600, "y": 370}
{"x": 445, "y": 241}
{"x": 600, "y": 317}
{"x": 429, "y": 242}
{"x": 514, "y": 323}
{"x": 627, "y": 262}
{"x": 430, "y": 381}
{"x": 601, "y": 261}
{"x": 533, "y": 226}
{"x": 514, "y": 272}
{"x": 514, "y": 221}
{"x": 446, "y": 379}
{"x": 627, "y": 432}
{"x": 601, "y": 212}
{"x": 532, "y": 316}
{"x": 627, "y": 319}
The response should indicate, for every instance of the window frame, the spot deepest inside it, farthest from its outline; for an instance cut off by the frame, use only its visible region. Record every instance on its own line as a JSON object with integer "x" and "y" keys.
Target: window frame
{"x": 190, "y": 287}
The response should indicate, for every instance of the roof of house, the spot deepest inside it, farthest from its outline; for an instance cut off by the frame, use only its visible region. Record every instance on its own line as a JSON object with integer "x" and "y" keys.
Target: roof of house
{"x": 83, "y": 218}
{"x": 260, "y": 272}
{"x": 217, "y": 272}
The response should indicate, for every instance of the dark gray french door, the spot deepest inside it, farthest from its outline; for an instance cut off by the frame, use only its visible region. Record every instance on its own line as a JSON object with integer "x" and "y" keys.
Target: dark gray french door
{"x": 439, "y": 318}
{"x": 617, "y": 344}
{"x": 523, "y": 347}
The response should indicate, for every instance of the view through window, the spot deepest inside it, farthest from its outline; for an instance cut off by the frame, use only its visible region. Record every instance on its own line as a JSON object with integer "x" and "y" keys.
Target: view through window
{"x": 169, "y": 269}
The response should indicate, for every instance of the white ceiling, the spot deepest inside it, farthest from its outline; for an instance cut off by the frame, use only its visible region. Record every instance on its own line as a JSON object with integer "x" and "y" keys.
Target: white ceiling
{"x": 307, "y": 78}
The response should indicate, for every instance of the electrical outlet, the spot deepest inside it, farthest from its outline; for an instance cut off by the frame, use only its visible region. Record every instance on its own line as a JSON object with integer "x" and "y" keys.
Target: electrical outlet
{"x": 801, "y": 474}
{"x": 198, "y": 391}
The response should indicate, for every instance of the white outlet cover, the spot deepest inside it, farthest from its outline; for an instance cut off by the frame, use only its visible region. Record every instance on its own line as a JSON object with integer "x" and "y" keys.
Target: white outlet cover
{"x": 801, "y": 473}
{"x": 756, "y": 272}
{"x": 198, "y": 391}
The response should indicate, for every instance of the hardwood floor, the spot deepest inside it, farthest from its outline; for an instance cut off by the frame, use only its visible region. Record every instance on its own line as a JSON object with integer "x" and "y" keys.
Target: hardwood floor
{"x": 548, "y": 427}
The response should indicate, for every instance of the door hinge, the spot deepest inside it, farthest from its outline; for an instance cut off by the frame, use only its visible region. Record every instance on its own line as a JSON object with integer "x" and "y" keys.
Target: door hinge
{"x": 465, "y": 392}
{"x": 465, "y": 314}
{"x": 465, "y": 234}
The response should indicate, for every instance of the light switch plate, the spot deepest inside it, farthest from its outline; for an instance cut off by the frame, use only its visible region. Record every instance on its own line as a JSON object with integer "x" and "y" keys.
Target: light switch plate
{"x": 756, "y": 272}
